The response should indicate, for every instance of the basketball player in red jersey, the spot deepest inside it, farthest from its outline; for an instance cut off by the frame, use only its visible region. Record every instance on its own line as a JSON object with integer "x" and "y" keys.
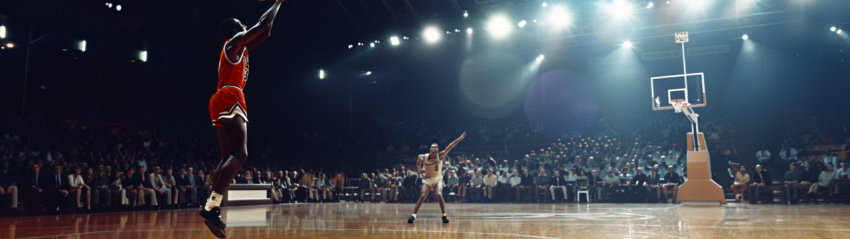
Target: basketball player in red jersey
{"x": 227, "y": 107}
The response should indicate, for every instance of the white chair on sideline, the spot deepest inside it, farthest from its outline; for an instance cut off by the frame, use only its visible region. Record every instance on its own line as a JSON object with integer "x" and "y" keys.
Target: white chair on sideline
{"x": 586, "y": 194}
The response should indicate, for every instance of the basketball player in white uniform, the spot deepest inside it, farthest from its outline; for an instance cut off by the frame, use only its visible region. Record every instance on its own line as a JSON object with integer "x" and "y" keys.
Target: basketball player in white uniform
{"x": 433, "y": 176}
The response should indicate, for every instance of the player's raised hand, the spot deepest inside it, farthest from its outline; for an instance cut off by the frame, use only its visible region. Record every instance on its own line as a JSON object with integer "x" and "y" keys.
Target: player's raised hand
{"x": 463, "y": 135}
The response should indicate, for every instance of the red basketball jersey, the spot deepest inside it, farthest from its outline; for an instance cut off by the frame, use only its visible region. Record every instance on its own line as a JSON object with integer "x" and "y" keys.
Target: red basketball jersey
{"x": 232, "y": 73}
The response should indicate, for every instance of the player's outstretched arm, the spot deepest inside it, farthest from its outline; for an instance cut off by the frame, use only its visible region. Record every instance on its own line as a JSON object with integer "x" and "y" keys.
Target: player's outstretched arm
{"x": 452, "y": 145}
{"x": 265, "y": 23}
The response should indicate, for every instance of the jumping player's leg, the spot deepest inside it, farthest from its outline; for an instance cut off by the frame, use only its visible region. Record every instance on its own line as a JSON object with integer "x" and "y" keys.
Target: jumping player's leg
{"x": 226, "y": 151}
{"x": 422, "y": 195}
{"x": 236, "y": 131}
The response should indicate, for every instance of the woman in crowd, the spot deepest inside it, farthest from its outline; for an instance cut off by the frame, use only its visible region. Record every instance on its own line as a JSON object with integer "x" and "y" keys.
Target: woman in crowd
{"x": 78, "y": 187}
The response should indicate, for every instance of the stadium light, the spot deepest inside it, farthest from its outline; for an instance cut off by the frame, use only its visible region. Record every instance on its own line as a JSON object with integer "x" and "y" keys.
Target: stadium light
{"x": 3, "y": 31}
{"x": 321, "y": 74}
{"x": 499, "y": 26}
{"x": 372, "y": 44}
{"x": 745, "y": 37}
{"x": 544, "y": 4}
{"x": 109, "y": 5}
{"x": 838, "y": 31}
{"x": 394, "y": 41}
{"x": 431, "y": 35}
{"x": 521, "y": 24}
{"x": 650, "y": 5}
{"x": 620, "y": 10}
{"x": 469, "y": 30}
{"x": 627, "y": 43}
{"x": 560, "y": 16}
{"x": 350, "y": 46}
{"x": 83, "y": 45}
{"x": 10, "y": 45}
{"x": 465, "y": 14}
{"x": 118, "y": 7}
{"x": 368, "y": 73}
{"x": 540, "y": 58}
{"x": 143, "y": 55}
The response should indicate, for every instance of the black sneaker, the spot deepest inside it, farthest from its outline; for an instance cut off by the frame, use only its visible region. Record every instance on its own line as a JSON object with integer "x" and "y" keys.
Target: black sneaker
{"x": 411, "y": 219}
{"x": 213, "y": 216}
{"x": 445, "y": 219}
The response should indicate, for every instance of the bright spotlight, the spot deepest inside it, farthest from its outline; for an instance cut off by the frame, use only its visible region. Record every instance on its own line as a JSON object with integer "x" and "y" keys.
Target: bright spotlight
{"x": 465, "y": 14}
{"x": 698, "y": 3}
{"x": 560, "y": 16}
{"x": 372, "y": 44}
{"x": 143, "y": 56}
{"x": 650, "y": 5}
{"x": 469, "y": 30}
{"x": 544, "y": 4}
{"x": 838, "y": 31}
{"x": 118, "y": 7}
{"x": 83, "y": 45}
{"x": 394, "y": 41}
{"x": 627, "y": 44}
{"x": 745, "y": 37}
{"x": 10, "y": 45}
{"x": 4, "y": 30}
{"x": 620, "y": 10}
{"x": 431, "y": 34}
{"x": 350, "y": 46}
{"x": 321, "y": 74}
{"x": 521, "y": 24}
{"x": 368, "y": 73}
{"x": 540, "y": 58}
{"x": 499, "y": 26}
{"x": 109, "y": 5}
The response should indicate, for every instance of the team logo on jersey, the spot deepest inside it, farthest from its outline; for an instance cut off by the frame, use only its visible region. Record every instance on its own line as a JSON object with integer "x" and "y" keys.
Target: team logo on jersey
{"x": 245, "y": 76}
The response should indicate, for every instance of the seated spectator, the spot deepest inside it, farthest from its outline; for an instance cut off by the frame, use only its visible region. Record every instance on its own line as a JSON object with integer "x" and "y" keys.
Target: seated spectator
{"x": 463, "y": 185}
{"x": 324, "y": 187}
{"x": 610, "y": 183}
{"x": 763, "y": 155}
{"x": 477, "y": 185}
{"x": 171, "y": 184}
{"x": 7, "y": 186}
{"x": 489, "y": 184}
{"x": 452, "y": 182}
{"x": 593, "y": 182}
{"x": 760, "y": 184}
{"x": 739, "y": 187}
{"x": 203, "y": 185}
{"x": 33, "y": 185}
{"x": 671, "y": 181}
{"x": 382, "y": 183}
{"x": 129, "y": 185}
{"x": 653, "y": 183}
{"x": 516, "y": 182}
{"x": 247, "y": 179}
{"x": 526, "y": 185}
{"x": 582, "y": 183}
{"x": 188, "y": 187}
{"x": 308, "y": 187}
{"x": 79, "y": 187}
{"x": 808, "y": 175}
{"x": 825, "y": 180}
{"x": 159, "y": 186}
{"x": 792, "y": 184}
{"x": 557, "y": 183}
{"x": 119, "y": 192}
{"x": 502, "y": 185}
{"x": 639, "y": 185}
{"x": 56, "y": 188}
{"x": 365, "y": 186}
{"x": 100, "y": 187}
{"x": 409, "y": 185}
{"x": 541, "y": 184}
{"x": 142, "y": 184}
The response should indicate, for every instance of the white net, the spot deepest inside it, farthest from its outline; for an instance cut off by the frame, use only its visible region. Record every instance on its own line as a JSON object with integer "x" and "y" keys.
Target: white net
{"x": 678, "y": 104}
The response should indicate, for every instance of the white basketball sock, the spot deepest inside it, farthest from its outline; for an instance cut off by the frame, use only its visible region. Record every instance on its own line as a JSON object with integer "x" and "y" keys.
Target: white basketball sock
{"x": 214, "y": 201}
{"x": 414, "y": 215}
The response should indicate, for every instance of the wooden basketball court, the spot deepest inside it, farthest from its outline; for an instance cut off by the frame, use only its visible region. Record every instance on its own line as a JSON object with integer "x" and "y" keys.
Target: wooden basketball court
{"x": 357, "y": 220}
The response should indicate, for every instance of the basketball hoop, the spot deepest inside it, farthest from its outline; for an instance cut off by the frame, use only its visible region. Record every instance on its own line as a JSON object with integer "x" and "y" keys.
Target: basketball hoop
{"x": 678, "y": 104}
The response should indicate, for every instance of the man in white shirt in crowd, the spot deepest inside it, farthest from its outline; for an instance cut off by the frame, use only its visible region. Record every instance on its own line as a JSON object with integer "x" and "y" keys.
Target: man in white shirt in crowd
{"x": 762, "y": 155}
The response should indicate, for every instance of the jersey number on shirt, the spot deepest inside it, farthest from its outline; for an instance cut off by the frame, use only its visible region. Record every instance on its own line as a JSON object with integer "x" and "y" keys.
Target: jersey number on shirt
{"x": 245, "y": 77}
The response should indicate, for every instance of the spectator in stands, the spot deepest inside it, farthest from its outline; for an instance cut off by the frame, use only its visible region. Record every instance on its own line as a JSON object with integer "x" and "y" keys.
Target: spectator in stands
{"x": 365, "y": 186}
{"x": 100, "y": 187}
{"x": 464, "y": 181}
{"x": 188, "y": 187}
{"x": 593, "y": 182}
{"x": 671, "y": 181}
{"x": 382, "y": 185}
{"x": 128, "y": 183}
{"x": 158, "y": 185}
{"x": 762, "y": 155}
{"x": 142, "y": 183}
{"x": 7, "y": 185}
{"x": 119, "y": 191}
{"x": 792, "y": 184}
{"x": 639, "y": 185}
{"x": 541, "y": 184}
{"x": 56, "y": 188}
{"x": 477, "y": 185}
{"x": 204, "y": 185}
{"x": 79, "y": 187}
{"x": 760, "y": 184}
{"x": 526, "y": 185}
{"x": 451, "y": 183}
{"x": 809, "y": 175}
{"x": 516, "y": 183}
{"x": 502, "y": 186}
{"x": 171, "y": 184}
{"x": 557, "y": 183}
{"x": 825, "y": 180}
{"x": 489, "y": 183}
{"x": 247, "y": 179}
{"x": 653, "y": 183}
{"x": 32, "y": 185}
{"x": 571, "y": 178}
{"x": 409, "y": 185}
{"x": 739, "y": 187}
{"x": 610, "y": 183}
